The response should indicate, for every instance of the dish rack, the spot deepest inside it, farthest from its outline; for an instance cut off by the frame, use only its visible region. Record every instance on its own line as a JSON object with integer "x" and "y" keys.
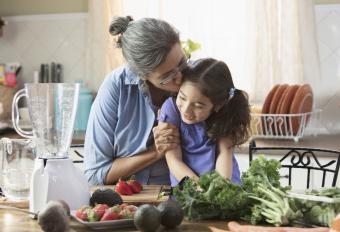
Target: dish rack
{"x": 282, "y": 126}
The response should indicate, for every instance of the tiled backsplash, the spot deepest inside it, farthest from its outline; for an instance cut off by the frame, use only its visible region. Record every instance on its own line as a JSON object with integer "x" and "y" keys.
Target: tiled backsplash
{"x": 36, "y": 39}
{"x": 32, "y": 40}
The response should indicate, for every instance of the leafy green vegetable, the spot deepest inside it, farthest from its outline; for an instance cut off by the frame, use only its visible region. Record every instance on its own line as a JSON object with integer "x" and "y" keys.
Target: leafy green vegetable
{"x": 275, "y": 206}
{"x": 318, "y": 212}
{"x": 321, "y": 215}
{"x": 333, "y": 192}
{"x": 263, "y": 171}
{"x": 259, "y": 199}
{"x": 213, "y": 196}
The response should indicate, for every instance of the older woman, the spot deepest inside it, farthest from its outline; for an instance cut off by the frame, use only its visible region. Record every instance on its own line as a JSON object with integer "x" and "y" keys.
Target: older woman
{"x": 123, "y": 136}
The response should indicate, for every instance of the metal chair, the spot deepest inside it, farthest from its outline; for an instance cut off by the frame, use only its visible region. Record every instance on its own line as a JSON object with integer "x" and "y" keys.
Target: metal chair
{"x": 302, "y": 158}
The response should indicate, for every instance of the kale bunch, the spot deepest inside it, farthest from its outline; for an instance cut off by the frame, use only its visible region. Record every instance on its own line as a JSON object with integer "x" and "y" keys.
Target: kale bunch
{"x": 212, "y": 196}
{"x": 259, "y": 199}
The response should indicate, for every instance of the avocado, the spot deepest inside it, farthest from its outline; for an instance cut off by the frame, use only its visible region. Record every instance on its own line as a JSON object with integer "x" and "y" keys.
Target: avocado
{"x": 105, "y": 196}
{"x": 171, "y": 213}
{"x": 147, "y": 218}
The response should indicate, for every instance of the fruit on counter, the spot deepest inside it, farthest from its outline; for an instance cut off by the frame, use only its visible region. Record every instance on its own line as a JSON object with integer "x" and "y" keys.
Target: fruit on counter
{"x": 135, "y": 186}
{"x": 53, "y": 218}
{"x": 147, "y": 218}
{"x": 112, "y": 214}
{"x": 171, "y": 213}
{"x": 105, "y": 196}
{"x": 123, "y": 188}
{"x": 97, "y": 212}
{"x": 82, "y": 213}
{"x": 102, "y": 212}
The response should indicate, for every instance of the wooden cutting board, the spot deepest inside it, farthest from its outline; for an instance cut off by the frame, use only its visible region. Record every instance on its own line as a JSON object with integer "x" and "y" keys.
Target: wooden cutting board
{"x": 22, "y": 204}
{"x": 149, "y": 195}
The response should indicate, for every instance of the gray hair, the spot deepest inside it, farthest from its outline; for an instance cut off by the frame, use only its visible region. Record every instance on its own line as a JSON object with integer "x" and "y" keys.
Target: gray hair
{"x": 145, "y": 43}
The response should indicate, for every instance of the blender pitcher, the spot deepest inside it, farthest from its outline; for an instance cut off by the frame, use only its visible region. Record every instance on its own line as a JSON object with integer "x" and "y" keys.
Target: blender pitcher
{"x": 17, "y": 163}
{"x": 52, "y": 109}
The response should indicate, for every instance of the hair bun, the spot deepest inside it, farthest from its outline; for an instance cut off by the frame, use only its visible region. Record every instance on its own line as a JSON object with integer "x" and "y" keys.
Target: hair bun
{"x": 119, "y": 25}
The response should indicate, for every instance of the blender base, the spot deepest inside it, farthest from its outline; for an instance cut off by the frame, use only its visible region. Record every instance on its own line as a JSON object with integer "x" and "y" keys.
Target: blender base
{"x": 58, "y": 179}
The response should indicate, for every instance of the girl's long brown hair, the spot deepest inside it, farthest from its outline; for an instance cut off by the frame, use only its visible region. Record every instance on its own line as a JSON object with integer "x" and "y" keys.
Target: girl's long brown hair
{"x": 231, "y": 117}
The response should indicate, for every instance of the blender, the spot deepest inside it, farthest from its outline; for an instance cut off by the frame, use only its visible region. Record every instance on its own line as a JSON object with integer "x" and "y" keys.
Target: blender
{"x": 52, "y": 109}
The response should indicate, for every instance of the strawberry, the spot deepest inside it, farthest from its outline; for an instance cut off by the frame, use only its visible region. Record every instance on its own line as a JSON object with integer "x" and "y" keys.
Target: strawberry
{"x": 123, "y": 206}
{"x": 126, "y": 214}
{"x": 132, "y": 208}
{"x": 135, "y": 186}
{"x": 123, "y": 188}
{"x": 82, "y": 213}
{"x": 111, "y": 214}
{"x": 92, "y": 216}
{"x": 99, "y": 210}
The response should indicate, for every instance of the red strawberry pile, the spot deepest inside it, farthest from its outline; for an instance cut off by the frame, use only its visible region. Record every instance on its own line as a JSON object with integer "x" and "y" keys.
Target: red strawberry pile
{"x": 102, "y": 212}
{"x": 128, "y": 187}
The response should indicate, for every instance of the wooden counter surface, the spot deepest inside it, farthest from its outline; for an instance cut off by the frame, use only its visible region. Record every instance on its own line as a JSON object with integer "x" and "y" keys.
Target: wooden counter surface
{"x": 13, "y": 221}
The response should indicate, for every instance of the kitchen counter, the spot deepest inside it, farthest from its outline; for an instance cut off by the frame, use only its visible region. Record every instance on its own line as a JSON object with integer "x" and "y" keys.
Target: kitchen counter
{"x": 13, "y": 221}
{"x": 78, "y": 137}
{"x": 321, "y": 141}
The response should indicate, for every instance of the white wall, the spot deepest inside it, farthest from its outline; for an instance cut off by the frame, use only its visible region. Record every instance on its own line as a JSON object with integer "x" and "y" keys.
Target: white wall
{"x": 328, "y": 35}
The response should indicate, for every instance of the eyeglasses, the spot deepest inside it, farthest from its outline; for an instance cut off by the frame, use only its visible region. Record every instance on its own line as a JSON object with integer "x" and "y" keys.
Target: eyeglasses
{"x": 166, "y": 78}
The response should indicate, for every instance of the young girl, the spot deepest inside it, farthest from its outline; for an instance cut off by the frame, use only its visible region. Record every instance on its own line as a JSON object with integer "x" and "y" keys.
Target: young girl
{"x": 212, "y": 117}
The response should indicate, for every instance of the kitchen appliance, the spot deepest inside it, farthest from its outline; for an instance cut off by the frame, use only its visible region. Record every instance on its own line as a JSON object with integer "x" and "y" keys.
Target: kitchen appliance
{"x": 16, "y": 166}
{"x": 52, "y": 110}
{"x": 84, "y": 108}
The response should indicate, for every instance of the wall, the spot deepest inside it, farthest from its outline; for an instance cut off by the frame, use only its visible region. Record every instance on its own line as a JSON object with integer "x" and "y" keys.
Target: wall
{"x": 43, "y": 38}
{"x": 326, "y": 1}
{"x": 32, "y": 7}
{"x": 45, "y": 31}
{"x": 328, "y": 37}
{"x": 35, "y": 39}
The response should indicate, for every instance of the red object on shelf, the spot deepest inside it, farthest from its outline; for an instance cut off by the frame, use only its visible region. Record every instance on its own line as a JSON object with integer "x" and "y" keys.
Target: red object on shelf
{"x": 10, "y": 79}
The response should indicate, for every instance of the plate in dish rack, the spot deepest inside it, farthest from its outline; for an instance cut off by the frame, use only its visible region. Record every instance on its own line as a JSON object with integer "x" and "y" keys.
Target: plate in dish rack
{"x": 113, "y": 224}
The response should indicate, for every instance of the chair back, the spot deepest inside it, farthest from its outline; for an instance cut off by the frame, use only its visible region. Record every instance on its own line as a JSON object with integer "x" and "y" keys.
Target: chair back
{"x": 322, "y": 161}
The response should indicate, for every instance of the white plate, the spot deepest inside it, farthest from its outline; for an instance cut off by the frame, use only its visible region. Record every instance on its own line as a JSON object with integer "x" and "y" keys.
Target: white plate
{"x": 114, "y": 224}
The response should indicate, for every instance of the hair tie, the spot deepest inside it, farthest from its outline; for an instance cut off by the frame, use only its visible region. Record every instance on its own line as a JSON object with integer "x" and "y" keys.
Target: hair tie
{"x": 231, "y": 93}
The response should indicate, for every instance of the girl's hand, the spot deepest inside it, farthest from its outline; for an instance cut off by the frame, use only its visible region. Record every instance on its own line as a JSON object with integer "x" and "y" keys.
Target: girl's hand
{"x": 166, "y": 137}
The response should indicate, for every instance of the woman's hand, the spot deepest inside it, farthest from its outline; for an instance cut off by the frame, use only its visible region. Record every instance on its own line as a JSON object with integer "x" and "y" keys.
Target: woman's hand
{"x": 166, "y": 137}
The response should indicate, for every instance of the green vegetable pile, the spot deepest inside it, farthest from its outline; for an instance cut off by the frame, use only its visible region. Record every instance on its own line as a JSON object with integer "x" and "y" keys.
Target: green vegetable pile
{"x": 212, "y": 196}
{"x": 260, "y": 198}
{"x": 320, "y": 213}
